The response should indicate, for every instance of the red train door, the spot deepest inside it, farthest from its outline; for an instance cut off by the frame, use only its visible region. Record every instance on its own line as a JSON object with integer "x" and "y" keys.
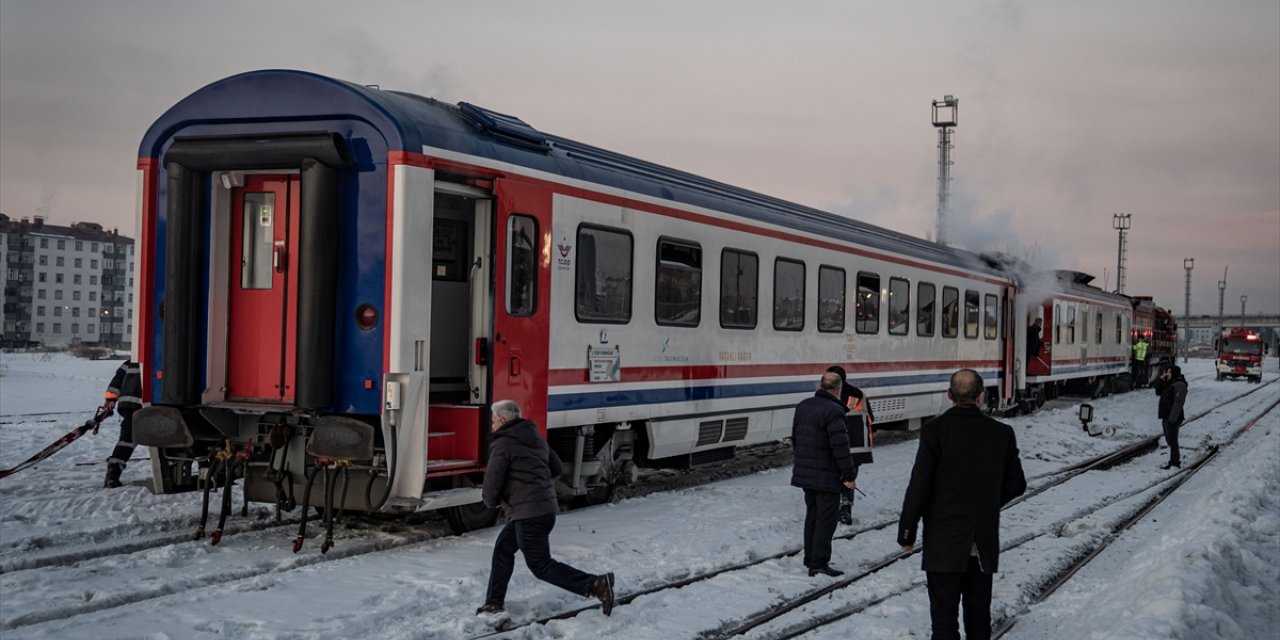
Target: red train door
{"x": 262, "y": 303}
{"x": 522, "y": 296}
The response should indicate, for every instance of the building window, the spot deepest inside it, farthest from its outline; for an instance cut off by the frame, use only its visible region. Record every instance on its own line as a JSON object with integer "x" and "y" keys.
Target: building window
{"x": 522, "y": 266}
{"x": 603, "y": 291}
{"x": 57, "y": 294}
{"x": 40, "y": 294}
{"x": 990, "y": 317}
{"x": 93, "y": 296}
{"x": 57, "y": 278}
{"x": 44, "y": 261}
{"x": 57, "y": 327}
{"x": 678, "y": 289}
{"x": 75, "y": 294}
{"x": 92, "y": 329}
{"x": 40, "y": 310}
{"x": 831, "y": 298}
{"x": 39, "y": 327}
{"x": 93, "y": 263}
{"x": 57, "y": 311}
{"x": 75, "y": 279}
{"x": 94, "y": 247}
{"x": 93, "y": 279}
{"x": 866, "y": 303}
{"x": 60, "y": 261}
{"x": 79, "y": 245}
{"x": 970, "y": 314}
{"x": 899, "y": 306}
{"x": 950, "y": 312}
{"x": 108, "y": 263}
{"x": 75, "y": 312}
{"x": 75, "y": 327}
{"x": 788, "y": 294}
{"x": 44, "y": 243}
{"x": 926, "y": 296}
{"x": 91, "y": 311}
{"x": 42, "y": 277}
{"x": 739, "y": 284}
{"x": 62, "y": 244}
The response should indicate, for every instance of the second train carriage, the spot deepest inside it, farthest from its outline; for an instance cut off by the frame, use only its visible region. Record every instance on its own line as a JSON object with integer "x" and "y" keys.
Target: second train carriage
{"x": 333, "y": 273}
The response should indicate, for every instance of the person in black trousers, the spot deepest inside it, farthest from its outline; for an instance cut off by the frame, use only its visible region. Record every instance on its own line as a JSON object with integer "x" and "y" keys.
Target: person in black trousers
{"x": 520, "y": 477}
{"x": 858, "y": 420}
{"x": 124, "y": 396}
{"x": 966, "y": 469}
{"x": 822, "y": 466}
{"x": 1171, "y": 386}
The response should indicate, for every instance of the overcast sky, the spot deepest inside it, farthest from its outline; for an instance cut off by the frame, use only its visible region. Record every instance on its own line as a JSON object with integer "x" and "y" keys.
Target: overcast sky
{"x": 1168, "y": 110}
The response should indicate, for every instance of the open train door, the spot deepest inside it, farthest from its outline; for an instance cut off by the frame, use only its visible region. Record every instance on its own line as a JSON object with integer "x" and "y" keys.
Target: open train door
{"x": 1010, "y": 361}
{"x": 522, "y": 294}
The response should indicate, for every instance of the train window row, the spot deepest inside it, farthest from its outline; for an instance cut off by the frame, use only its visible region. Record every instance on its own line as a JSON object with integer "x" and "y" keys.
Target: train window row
{"x": 1064, "y": 330}
{"x": 603, "y": 284}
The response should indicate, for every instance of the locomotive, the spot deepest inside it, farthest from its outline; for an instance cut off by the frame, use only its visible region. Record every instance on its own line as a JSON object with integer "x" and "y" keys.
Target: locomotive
{"x": 337, "y": 277}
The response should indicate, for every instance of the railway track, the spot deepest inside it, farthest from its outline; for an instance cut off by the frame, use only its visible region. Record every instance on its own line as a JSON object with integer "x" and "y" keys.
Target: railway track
{"x": 1052, "y": 479}
{"x": 1156, "y": 492}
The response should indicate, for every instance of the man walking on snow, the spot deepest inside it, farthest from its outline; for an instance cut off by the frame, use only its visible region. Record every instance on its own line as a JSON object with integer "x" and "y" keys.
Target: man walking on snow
{"x": 966, "y": 469}
{"x": 123, "y": 395}
{"x": 823, "y": 466}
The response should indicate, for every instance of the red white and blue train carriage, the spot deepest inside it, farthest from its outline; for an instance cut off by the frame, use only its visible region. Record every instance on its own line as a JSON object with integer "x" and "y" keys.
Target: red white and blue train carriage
{"x": 334, "y": 275}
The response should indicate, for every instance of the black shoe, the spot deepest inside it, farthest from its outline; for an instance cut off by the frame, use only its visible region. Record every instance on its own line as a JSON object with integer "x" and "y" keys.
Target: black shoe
{"x": 602, "y": 590}
{"x": 825, "y": 570}
{"x": 846, "y": 514}
{"x": 114, "y": 469}
{"x": 1176, "y": 465}
{"x": 489, "y": 607}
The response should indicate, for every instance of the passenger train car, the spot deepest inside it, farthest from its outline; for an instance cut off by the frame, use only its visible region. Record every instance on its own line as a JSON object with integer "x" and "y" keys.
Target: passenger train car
{"x": 339, "y": 276}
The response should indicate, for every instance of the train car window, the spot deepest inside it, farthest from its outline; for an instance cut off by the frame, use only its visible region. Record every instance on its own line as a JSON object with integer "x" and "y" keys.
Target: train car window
{"x": 522, "y": 265}
{"x": 788, "y": 295}
{"x": 1057, "y": 324}
{"x": 990, "y": 317}
{"x": 831, "y": 298}
{"x": 950, "y": 312}
{"x": 1119, "y": 331}
{"x": 677, "y": 295}
{"x": 255, "y": 241}
{"x": 1071, "y": 324}
{"x": 971, "y": 314}
{"x": 866, "y": 307}
{"x": 1098, "y": 327}
{"x": 739, "y": 284}
{"x": 899, "y": 318}
{"x": 603, "y": 282}
{"x": 926, "y": 293}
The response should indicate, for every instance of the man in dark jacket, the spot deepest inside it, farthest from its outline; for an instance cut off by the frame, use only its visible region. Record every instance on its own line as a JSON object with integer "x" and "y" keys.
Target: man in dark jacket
{"x": 966, "y": 469}
{"x": 858, "y": 420}
{"x": 124, "y": 396}
{"x": 520, "y": 477}
{"x": 1172, "y": 389}
{"x": 822, "y": 466}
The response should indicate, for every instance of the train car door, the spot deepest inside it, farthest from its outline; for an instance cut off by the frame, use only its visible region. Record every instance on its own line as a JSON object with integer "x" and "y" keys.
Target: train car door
{"x": 521, "y": 317}
{"x": 1040, "y": 365}
{"x": 263, "y": 283}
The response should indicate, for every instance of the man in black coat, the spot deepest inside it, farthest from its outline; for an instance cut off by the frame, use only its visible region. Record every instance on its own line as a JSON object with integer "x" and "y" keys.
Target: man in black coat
{"x": 124, "y": 396}
{"x": 966, "y": 469}
{"x": 858, "y": 420}
{"x": 520, "y": 477}
{"x": 1171, "y": 386}
{"x": 822, "y": 466}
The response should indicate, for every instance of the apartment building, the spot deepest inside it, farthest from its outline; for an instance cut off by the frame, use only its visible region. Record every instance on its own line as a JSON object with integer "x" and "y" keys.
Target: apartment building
{"x": 65, "y": 285}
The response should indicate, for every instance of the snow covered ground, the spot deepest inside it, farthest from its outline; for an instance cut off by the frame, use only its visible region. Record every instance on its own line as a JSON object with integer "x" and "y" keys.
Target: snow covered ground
{"x": 79, "y": 561}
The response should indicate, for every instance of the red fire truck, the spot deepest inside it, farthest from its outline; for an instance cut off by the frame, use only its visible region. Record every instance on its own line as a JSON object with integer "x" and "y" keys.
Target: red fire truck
{"x": 1240, "y": 353}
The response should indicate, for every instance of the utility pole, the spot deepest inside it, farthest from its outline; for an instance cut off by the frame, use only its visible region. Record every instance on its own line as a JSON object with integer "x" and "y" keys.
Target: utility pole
{"x": 1243, "y": 299}
{"x": 1222, "y": 290}
{"x": 1188, "y": 264}
{"x": 945, "y": 117}
{"x": 1120, "y": 222}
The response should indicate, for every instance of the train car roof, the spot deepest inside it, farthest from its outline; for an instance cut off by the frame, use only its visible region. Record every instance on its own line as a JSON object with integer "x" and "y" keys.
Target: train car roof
{"x": 409, "y": 123}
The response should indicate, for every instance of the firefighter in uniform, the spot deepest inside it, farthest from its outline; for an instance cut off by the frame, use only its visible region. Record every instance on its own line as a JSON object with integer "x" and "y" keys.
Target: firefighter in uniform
{"x": 124, "y": 395}
{"x": 858, "y": 419}
{"x": 1140, "y": 373}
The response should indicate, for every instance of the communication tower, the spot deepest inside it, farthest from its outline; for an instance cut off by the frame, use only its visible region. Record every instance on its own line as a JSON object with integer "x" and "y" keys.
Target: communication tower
{"x": 945, "y": 114}
{"x": 1121, "y": 222}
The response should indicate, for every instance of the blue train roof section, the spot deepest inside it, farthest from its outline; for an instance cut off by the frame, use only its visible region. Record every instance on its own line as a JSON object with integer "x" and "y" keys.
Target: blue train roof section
{"x": 409, "y": 123}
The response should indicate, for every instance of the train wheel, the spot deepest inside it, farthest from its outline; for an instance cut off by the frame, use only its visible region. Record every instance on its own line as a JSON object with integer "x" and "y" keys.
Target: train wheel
{"x": 594, "y": 495}
{"x": 469, "y": 517}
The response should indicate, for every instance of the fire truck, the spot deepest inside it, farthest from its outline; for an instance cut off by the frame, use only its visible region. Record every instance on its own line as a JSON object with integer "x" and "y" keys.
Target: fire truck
{"x": 1240, "y": 354}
